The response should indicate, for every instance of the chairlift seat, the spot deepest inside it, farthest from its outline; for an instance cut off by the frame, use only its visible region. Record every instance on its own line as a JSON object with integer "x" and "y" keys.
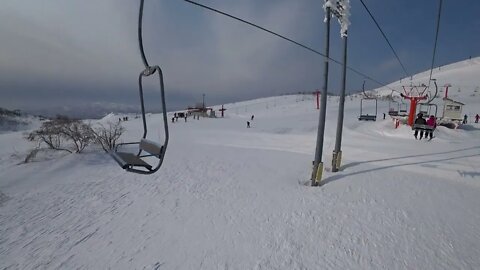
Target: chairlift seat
{"x": 128, "y": 160}
{"x": 422, "y": 127}
{"x": 367, "y": 117}
{"x": 393, "y": 113}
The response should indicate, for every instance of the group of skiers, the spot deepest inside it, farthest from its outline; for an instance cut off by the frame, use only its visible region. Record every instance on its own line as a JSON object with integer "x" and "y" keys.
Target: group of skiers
{"x": 431, "y": 122}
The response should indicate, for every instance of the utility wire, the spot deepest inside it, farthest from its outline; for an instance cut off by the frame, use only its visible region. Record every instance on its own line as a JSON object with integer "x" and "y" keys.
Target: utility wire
{"x": 436, "y": 39}
{"x": 289, "y": 40}
{"x": 385, "y": 37}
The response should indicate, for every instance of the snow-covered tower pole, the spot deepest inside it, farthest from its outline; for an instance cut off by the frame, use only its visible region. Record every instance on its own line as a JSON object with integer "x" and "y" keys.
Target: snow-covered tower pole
{"x": 342, "y": 12}
{"x": 317, "y": 163}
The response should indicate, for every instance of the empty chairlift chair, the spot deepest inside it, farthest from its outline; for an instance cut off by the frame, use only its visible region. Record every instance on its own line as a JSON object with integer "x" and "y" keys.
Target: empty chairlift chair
{"x": 365, "y": 116}
{"x": 403, "y": 110}
{"x": 146, "y": 148}
{"x": 393, "y": 108}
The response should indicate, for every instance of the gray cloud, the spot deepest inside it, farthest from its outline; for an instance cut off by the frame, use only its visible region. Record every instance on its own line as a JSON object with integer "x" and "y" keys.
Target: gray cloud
{"x": 77, "y": 53}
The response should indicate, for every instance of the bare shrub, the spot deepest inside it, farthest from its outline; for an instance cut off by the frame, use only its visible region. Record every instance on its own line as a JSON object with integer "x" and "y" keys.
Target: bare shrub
{"x": 64, "y": 134}
{"x": 50, "y": 134}
{"x": 79, "y": 133}
{"x": 107, "y": 135}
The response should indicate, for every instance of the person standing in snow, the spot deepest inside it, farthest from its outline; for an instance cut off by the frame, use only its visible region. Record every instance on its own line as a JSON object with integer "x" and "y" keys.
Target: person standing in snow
{"x": 248, "y": 124}
{"x": 419, "y": 121}
{"x": 252, "y": 117}
{"x": 465, "y": 117}
{"x": 432, "y": 123}
{"x": 476, "y": 118}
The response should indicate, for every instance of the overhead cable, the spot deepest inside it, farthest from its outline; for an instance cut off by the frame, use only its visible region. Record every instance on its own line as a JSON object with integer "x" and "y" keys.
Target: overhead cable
{"x": 287, "y": 39}
{"x": 436, "y": 39}
{"x": 385, "y": 37}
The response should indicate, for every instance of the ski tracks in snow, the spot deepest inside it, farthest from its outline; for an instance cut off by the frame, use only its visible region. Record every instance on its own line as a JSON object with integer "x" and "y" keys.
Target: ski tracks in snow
{"x": 51, "y": 225}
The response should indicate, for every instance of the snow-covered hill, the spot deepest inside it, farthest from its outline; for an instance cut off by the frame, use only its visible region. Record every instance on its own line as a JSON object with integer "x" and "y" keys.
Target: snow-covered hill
{"x": 232, "y": 197}
{"x": 17, "y": 121}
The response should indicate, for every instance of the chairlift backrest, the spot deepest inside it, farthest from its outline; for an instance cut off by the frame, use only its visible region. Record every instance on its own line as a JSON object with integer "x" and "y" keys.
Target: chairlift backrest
{"x": 151, "y": 147}
{"x": 426, "y": 109}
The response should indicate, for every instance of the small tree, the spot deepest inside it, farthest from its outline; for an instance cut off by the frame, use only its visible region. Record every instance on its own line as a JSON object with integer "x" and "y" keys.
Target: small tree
{"x": 50, "y": 134}
{"x": 79, "y": 133}
{"x": 107, "y": 135}
{"x": 58, "y": 132}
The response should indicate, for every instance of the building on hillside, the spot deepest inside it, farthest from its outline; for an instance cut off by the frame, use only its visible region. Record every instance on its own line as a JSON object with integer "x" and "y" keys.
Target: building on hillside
{"x": 201, "y": 111}
{"x": 452, "y": 110}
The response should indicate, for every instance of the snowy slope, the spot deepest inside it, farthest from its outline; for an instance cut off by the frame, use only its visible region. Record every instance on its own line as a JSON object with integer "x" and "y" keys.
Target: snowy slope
{"x": 228, "y": 197}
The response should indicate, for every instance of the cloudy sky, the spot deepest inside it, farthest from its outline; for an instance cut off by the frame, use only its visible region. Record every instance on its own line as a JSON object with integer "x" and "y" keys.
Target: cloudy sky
{"x": 77, "y": 55}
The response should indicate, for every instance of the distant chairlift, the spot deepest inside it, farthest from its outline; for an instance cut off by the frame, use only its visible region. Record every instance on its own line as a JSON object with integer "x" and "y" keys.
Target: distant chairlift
{"x": 427, "y": 109}
{"x": 393, "y": 108}
{"x": 403, "y": 109}
{"x": 365, "y": 116}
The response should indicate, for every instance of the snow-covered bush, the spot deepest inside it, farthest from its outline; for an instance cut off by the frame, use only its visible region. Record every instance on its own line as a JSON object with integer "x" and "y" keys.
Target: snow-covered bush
{"x": 64, "y": 133}
{"x": 107, "y": 135}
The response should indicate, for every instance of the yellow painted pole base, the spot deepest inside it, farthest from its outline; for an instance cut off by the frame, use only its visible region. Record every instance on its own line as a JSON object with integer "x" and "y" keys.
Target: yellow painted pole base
{"x": 336, "y": 161}
{"x": 317, "y": 174}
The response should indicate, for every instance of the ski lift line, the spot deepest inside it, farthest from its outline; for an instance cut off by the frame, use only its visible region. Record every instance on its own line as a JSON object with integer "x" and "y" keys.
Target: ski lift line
{"x": 261, "y": 28}
{"x": 385, "y": 37}
{"x": 287, "y": 39}
{"x": 436, "y": 40}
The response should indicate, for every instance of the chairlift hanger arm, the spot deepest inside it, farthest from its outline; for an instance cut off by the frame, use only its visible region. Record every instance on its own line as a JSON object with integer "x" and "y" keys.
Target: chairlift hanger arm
{"x": 363, "y": 89}
{"x": 436, "y": 91}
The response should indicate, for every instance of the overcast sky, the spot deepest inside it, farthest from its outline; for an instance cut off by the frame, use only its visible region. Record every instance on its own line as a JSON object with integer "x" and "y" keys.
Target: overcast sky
{"x": 79, "y": 54}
